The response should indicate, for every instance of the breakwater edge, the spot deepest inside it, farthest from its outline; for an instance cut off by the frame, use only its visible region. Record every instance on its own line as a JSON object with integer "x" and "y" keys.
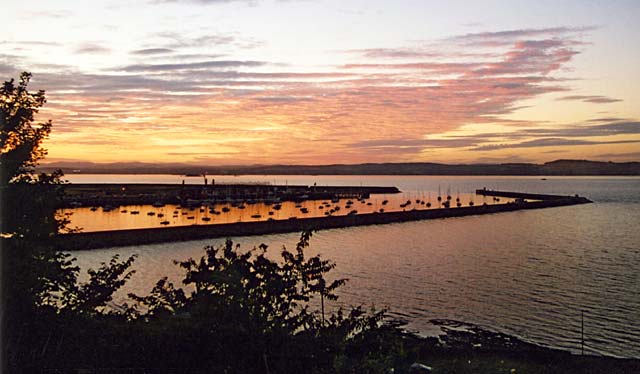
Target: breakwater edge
{"x": 114, "y": 238}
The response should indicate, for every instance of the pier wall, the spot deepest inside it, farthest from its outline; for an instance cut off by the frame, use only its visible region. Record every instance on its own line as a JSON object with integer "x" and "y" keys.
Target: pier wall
{"x": 105, "y": 239}
{"x": 521, "y": 195}
{"x": 116, "y": 194}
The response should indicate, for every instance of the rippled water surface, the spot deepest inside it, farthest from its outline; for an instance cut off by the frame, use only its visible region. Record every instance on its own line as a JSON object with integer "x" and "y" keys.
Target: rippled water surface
{"x": 526, "y": 273}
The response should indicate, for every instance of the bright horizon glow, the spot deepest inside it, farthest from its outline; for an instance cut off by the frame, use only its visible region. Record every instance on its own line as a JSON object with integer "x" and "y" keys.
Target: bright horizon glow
{"x": 223, "y": 82}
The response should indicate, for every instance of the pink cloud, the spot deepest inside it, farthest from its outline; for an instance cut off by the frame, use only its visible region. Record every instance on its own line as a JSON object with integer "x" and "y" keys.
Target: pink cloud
{"x": 266, "y": 114}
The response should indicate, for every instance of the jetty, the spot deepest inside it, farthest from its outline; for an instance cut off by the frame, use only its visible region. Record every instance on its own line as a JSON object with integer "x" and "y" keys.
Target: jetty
{"x": 115, "y": 238}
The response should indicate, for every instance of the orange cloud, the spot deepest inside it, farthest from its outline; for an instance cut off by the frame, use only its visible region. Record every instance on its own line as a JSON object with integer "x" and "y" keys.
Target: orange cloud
{"x": 387, "y": 105}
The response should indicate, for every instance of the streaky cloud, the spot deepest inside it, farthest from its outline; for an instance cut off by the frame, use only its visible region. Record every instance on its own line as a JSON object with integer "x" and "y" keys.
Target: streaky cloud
{"x": 191, "y": 66}
{"x": 594, "y": 99}
{"x": 508, "y": 36}
{"x": 91, "y": 48}
{"x": 152, "y": 51}
{"x": 628, "y": 155}
{"x": 549, "y": 142}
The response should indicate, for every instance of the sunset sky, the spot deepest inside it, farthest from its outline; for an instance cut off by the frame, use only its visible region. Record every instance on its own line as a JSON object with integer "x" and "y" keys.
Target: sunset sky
{"x": 315, "y": 82}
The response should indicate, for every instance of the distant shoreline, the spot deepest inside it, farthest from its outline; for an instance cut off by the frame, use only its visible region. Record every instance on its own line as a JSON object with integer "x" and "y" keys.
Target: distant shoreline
{"x": 554, "y": 168}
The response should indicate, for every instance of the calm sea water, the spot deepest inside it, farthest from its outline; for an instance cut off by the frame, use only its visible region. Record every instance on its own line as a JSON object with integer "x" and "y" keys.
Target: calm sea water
{"x": 527, "y": 273}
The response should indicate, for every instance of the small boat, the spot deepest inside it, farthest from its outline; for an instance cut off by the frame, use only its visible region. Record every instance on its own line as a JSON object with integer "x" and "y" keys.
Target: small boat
{"x": 160, "y": 215}
{"x": 151, "y": 213}
{"x": 94, "y": 208}
{"x": 135, "y": 212}
{"x": 384, "y": 202}
{"x": 256, "y": 216}
{"x": 304, "y": 210}
{"x": 225, "y": 209}
{"x": 270, "y": 213}
{"x": 206, "y": 219}
{"x": 123, "y": 211}
{"x": 164, "y": 222}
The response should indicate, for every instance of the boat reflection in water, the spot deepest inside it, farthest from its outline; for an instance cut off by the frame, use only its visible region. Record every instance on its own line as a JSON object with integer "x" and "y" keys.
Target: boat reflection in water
{"x": 157, "y": 215}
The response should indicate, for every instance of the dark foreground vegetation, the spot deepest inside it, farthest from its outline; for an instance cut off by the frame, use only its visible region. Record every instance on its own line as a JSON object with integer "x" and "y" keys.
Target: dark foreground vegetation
{"x": 239, "y": 311}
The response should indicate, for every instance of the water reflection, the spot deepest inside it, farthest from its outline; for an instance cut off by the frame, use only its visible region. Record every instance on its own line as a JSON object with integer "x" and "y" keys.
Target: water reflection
{"x": 147, "y": 216}
{"x": 526, "y": 273}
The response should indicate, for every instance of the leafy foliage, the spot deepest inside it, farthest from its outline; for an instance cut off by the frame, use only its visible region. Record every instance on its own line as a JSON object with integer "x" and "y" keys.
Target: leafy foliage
{"x": 244, "y": 301}
{"x": 20, "y": 140}
{"x": 38, "y": 281}
{"x": 28, "y": 198}
{"x": 242, "y": 312}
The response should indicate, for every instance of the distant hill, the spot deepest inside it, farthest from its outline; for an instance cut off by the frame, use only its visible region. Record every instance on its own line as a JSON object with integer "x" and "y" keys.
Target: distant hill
{"x": 559, "y": 167}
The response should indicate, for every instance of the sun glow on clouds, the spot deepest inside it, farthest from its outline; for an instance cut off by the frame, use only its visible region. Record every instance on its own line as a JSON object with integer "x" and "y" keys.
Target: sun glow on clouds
{"x": 221, "y": 98}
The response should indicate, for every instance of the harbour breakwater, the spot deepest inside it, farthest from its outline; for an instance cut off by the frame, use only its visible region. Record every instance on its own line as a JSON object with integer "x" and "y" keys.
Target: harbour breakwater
{"x": 115, "y": 238}
{"x": 116, "y": 194}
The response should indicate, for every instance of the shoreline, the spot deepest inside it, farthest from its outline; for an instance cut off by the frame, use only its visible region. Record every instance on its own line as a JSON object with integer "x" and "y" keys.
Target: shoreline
{"x": 465, "y": 347}
{"x": 557, "y": 167}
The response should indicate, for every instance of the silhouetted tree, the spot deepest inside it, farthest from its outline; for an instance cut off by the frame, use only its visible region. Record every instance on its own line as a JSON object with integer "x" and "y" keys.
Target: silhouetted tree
{"x": 36, "y": 278}
{"x": 244, "y": 313}
{"x": 254, "y": 314}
